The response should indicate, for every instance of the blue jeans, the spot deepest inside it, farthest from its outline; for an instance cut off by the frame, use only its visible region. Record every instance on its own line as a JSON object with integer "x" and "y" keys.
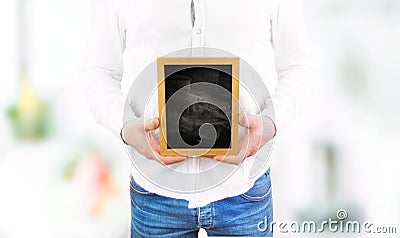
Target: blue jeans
{"x": 248, "y": 214}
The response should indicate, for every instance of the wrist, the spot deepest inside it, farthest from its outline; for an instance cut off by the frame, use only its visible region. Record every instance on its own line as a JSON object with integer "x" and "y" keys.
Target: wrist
{"x": 123, "y": 133}
{"x": 122, "y": 137}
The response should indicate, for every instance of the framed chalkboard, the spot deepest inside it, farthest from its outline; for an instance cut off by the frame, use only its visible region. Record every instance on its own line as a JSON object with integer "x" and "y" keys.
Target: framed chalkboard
{"x": 198, "y": 105}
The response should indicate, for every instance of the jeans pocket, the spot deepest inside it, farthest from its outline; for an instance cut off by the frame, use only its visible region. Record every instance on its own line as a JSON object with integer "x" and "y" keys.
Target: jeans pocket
{"x": 138, "y": 189}
{"x": 260, "y": 190}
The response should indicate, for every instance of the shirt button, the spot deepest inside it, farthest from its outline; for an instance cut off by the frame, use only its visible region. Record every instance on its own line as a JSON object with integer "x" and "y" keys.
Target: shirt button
{"x": 198, "y": 31}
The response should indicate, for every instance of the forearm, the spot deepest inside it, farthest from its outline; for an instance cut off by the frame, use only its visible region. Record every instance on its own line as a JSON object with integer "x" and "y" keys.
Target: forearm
{"x": 292, "y": 62}
{"x": 102, "y": 69}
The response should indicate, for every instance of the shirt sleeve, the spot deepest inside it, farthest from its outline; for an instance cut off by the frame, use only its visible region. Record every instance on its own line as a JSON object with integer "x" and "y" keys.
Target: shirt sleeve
{"x": 292, "y": 62}
{"x": 102, "y": 69}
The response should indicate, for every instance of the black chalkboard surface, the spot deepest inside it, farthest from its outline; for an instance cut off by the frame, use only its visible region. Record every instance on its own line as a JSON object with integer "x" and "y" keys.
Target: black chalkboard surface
{"x": 198, "y": 105}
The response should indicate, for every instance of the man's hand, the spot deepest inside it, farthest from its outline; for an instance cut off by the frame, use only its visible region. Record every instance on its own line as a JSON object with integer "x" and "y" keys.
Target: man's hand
{"x": 139, "y": 136}
{"x": 259, "y": 130}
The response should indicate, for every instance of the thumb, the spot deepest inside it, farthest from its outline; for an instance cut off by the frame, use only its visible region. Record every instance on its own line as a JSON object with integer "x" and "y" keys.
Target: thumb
{"x": 250, "y": 121}
{"x": 151, "y": 124}
{"x": 243, "y": 120}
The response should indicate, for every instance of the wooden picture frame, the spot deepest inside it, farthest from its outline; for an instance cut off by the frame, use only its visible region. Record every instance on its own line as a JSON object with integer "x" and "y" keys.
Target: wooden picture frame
{"x": 223, "y": 72}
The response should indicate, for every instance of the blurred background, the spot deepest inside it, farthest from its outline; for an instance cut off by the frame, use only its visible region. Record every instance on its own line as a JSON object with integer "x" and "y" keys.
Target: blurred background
{"x": 61, "y": 175}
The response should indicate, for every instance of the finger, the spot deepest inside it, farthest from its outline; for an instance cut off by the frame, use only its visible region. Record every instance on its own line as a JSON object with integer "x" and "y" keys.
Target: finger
{"x": 253, "y": 146}
{"x": 151, "y": 124}
{"x": 255, "y": 122}
{"x": 154, "y": 144}
{"x": 251, "y": 151}
{"x": 242, "y": 145}
{"x": 255, "y": 141}
{"x": 247, "y": 147}
{"x": 252, "y": 141}
{"x": 170, "y": 159}
{"x": 250, "y": 121}
{"x": 154, "y": 153}
{"x": 218, "y": 157}
{"x": 173, "y": 159}
{"x": 233, "y": 159}
{"x": 230, "y": 159}
{"x": 243, "y": 120}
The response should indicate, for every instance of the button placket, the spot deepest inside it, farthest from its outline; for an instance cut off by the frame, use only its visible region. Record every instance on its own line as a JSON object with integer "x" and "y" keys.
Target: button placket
{"x": 198, "y": 26}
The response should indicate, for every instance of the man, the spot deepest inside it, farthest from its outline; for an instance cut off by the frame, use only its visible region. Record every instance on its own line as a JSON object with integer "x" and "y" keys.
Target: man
{"x": 268, "y": 34}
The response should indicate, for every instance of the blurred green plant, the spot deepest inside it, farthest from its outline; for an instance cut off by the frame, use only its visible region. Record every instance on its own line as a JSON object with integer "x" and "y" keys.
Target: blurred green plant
{"x": 29, "y": 117}
{"x": 69, "y": 169}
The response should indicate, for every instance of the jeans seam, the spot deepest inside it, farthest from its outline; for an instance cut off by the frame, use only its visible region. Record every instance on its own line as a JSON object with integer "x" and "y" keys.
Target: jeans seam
{"x": 198, "y": 218}
{"x": 212, "y": 215}
{"x": 140, "y": 192}
{"x": 256, "y": 198}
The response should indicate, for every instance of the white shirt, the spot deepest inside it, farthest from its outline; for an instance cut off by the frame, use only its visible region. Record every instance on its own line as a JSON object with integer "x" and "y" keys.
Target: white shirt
{"x": 268, "y": 34}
